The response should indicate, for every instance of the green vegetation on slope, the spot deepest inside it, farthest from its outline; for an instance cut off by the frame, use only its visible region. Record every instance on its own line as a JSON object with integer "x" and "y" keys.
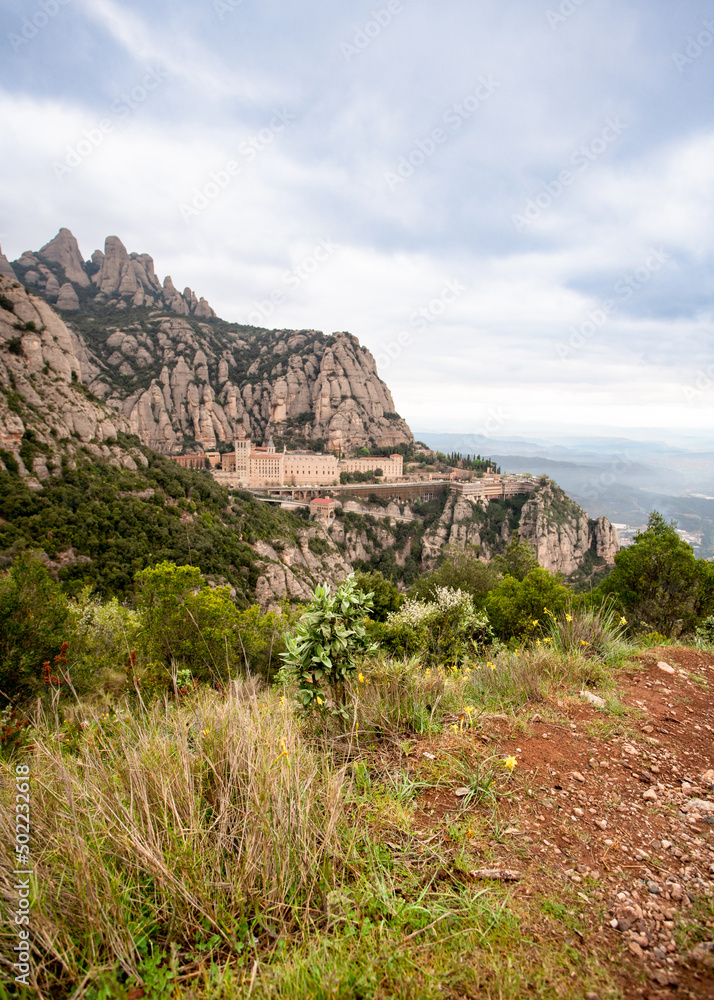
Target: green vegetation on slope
{"x": 120, "y": 522}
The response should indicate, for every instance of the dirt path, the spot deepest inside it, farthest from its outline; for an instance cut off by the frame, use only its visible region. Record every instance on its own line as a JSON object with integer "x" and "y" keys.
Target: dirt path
{"x": 621, "y": 809}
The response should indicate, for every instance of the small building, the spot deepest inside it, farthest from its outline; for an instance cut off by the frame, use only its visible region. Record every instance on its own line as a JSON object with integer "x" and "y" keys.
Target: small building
{"x": 323, "y": 509}
{"x": 191, "y": 461}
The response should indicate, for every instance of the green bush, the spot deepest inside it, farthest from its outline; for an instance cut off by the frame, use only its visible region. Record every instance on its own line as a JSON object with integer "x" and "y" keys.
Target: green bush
{"x": 659, "y": 583}
{"x": 101, "y": 637}
{"x": 705, "y": 632}
{"x": 321, "y": 653}
{"x": 34, "y": 623}
{"x": 446, "y": 631}
{"x": 385, "y": 596}
{"x": 185, "y": 623}
{"x": 517, "y": 608}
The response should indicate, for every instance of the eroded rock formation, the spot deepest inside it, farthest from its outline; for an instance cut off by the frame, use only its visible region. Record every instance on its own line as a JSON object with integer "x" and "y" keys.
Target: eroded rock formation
{"x": 43, "y": 408}
{"x": 184, "y": 379}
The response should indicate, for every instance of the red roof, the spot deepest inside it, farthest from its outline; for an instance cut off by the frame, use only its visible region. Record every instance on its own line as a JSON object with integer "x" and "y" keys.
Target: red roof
{"x": 321, "y": 500}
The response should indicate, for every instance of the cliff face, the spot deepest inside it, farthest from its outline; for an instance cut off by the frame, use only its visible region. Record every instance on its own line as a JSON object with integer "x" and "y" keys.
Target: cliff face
{"x": 44, "y": 410}
{"x": 560, "y": 533}
{"x": 183, "y": 378}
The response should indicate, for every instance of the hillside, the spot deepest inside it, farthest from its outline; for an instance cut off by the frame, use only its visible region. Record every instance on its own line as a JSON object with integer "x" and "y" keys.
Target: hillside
{"x": 533, "y": 825}
{"x": 182, "y": 377}
{"x": 560, "y": 533}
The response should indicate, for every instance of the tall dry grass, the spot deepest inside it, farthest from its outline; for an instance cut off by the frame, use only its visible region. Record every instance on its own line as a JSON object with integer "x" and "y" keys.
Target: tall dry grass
{"x": 172, "y": 824}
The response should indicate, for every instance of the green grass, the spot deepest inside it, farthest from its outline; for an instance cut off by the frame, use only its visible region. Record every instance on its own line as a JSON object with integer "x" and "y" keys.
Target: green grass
{"x": 222, "y": 847}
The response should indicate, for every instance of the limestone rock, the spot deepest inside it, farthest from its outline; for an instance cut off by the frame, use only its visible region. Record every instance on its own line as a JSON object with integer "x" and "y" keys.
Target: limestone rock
{"x": 43, "y": 375}
{"x": 703, "y": 954}
{"x": 67, "y": 300}
{"x": 6, "y": 270}
{"x": 64, "y": 250}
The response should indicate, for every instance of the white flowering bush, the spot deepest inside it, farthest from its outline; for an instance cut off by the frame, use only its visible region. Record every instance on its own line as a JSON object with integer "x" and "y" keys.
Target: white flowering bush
{"x": 446, "y": 630}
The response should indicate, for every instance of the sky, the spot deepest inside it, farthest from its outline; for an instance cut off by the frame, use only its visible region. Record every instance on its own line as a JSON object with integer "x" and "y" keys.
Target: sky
{"x": 509, "y": 203}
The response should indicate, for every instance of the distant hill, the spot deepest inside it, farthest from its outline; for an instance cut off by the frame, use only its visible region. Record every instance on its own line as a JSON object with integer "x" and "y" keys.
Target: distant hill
{"x": 620, "y": 478}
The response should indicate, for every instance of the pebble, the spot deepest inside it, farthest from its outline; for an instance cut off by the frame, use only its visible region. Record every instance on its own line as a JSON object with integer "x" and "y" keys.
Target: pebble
{"x": 650, "y": 795}
{"x": 594, "y": 699}
{"x": 707, "y": 779}
{"x": 665, "y": 667}
{"x": 699, "y": 805}
{"x": 703, "y": 954}
{"x": 578, "y": 776}
{"x": 602, "y": 823}
{"x": 653, "y": 888}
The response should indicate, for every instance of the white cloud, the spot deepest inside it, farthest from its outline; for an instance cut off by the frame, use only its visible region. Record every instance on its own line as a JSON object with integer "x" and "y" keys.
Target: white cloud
{"x": 321, "y": 178}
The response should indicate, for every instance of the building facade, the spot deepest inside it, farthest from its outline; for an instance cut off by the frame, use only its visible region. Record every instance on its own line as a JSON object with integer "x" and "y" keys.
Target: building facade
{"x": 392, "y": 467}
{"x": 248, "y": 465}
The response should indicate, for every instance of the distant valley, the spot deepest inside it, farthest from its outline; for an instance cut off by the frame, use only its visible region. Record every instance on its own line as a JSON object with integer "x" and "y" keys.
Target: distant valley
{"x": 620, "y": 478}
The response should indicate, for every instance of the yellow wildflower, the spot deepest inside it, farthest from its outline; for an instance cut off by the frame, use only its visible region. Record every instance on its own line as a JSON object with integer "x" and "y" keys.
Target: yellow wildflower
{"x": 568, "y": 618}
{"x": 623, "y": 621}
{"x": 319, "y": 700}
{"x": 360, "y": 677}
{"x": 584, "y": 643}
{"x": 535, "y": 621}
{"x": 509, "y": 762}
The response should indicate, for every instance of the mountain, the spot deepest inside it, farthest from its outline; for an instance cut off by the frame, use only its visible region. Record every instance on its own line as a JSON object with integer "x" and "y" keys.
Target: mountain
{"x": 184, "y": 379}
{"x": 89, "y": 397}
{"x": 46, "y": 413}
{"x": 621, "y": 478}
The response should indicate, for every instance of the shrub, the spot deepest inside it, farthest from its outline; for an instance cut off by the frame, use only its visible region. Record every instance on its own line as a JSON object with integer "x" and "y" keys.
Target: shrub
{"x": 705, "y": 632}
{"x": 186, "y": 623}
{"x": 658, "y": 581}
{"x": 101, "y": 637}
{"x": 34, "y": 614}
{"x": 447, "y": 630}
{"x": 516, "y": 608}
{"x": 321, "y": 653}
{"x": 385, "y": 596}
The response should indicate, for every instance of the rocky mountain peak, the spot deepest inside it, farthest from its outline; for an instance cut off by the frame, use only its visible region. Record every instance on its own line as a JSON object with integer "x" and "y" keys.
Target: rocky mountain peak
{"x": 111, "y": 277}
{"x": 185, "y": 379}
{"x": 5, "y": 268}
{"x": 64, "y": 250}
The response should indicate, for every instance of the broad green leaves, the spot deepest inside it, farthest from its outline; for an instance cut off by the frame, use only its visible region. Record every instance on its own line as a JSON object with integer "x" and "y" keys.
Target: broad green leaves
{"x": 322, "y": 651}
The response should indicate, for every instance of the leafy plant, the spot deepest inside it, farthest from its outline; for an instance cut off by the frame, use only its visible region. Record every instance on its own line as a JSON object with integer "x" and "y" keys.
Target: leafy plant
{"x": 34, "y": 614}
{"x": 516, "y": 608}
{"x": 705, "y": 632}
{"x": 322, "y": 652}
{"x": 185, "y": 622}
{"x": 658, "y": 581}
{"x": 447, "y": 630}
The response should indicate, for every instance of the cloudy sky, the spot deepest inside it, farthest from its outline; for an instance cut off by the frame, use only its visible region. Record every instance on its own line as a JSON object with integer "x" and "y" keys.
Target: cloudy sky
{"x": 510, "y": 203}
